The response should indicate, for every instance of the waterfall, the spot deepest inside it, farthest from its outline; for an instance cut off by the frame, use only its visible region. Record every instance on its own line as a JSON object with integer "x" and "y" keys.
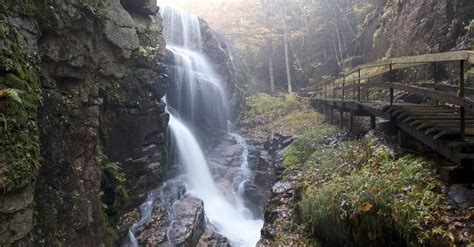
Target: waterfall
{"x": 244, "y": 174}
{"x": 191, "y": 157}
{"x": 228, "y": 219}
{"x": 199, "y": 99}
{"x": 196, "y": 94}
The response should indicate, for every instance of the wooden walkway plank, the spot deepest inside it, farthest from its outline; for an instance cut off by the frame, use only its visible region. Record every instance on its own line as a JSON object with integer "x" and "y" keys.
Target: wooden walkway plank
{"x": 452, "y": 132}
{"x": 442, "y": 124}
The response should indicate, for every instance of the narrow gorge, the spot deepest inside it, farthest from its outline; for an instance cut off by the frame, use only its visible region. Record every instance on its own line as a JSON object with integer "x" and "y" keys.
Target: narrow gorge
{"x": 210, "y": 123}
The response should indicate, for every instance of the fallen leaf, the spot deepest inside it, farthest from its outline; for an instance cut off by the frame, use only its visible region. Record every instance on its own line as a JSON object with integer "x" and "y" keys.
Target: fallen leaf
{"x": 3, "y": 92}
{"x": 367, "y": 207}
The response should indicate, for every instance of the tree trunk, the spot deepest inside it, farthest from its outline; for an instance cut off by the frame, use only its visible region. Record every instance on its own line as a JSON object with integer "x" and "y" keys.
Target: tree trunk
{"x": 287, "y": 57}
{"x": 270, "y": 71}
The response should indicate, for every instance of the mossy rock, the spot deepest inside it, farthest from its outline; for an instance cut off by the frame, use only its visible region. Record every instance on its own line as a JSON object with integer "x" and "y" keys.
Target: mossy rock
{"x": 19, "y": 131}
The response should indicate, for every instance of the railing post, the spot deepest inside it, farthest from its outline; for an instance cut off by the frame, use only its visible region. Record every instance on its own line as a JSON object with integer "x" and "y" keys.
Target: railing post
{"x": 341, "y": 113}
{"x": 367, "y": 89}
{"x": 324, "y": 91}
{"x": 462, "y": 110}
{"x": 435, "y": 78}
{"x": 358, "y": 88}
{"x": 330, "y": 115}
{"x": 354, "y": 90}
{"x": 391, "y": 85}
{"x": 333, "y": 90}
{"x": 351, "y": 122}
{"x": 343, "y": 87}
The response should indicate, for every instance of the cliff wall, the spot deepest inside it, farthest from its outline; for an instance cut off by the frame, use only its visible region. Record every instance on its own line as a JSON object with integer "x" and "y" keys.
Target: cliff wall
{"x": 81, "y": 83}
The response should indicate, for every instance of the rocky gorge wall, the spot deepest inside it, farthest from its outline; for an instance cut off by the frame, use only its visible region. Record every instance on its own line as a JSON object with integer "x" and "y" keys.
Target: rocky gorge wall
{"x": 401, "y": 28}
{"x": 83, "y": 128}
{"x": 80, "y": 83}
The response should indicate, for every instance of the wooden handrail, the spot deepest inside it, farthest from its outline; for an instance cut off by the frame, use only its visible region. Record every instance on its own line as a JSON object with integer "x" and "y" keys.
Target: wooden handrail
{"x": 420, "y": 91}
{"x": 403, "y": 63}
{"x": 420, "y": 59}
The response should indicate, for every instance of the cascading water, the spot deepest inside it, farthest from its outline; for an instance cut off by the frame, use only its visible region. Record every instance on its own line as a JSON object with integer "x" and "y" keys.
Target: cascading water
{"x": 228, "y": 219}
{"x": 199, "y": 101}
{"x": 196, "y": 93}
{"x": 243, "y": 176}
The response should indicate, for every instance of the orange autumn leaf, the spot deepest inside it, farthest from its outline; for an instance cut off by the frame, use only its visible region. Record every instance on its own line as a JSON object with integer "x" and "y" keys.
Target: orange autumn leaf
{"x": 3, "y": 92}
{"x": 367, "y": 207}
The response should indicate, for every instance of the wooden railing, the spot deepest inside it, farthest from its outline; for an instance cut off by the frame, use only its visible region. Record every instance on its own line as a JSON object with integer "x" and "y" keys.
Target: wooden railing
{"x": 360, "y": 77}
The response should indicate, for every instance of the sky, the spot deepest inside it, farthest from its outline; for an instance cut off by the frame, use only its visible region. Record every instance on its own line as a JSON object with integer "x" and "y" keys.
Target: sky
{"x": 211, "y": 10}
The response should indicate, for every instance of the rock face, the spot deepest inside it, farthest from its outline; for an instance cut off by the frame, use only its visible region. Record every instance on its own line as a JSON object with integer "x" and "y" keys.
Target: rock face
{"x": 426, "y": 27}
{"x": 219, "y": 51}
{"x": 98, "y": 67}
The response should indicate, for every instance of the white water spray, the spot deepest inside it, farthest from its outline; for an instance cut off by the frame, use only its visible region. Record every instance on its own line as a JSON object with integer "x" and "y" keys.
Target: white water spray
{"x": 243, "y": 176}
{"x": 240, "y": 229}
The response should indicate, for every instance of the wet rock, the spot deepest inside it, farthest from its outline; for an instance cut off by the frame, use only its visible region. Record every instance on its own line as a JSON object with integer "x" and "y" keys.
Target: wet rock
{"x": 15, "y": 227}
{"x": 463, "y": 196}
{"x": 127, "y": 220}
{"x": 171, "y": 191}
{"x": 282, "y": 187}
{"x": 254, "y": 200}
{"x": 212, "y": 238}
{"x": 14, "y": 202}
{"x": 188, "y": 222}
{"x": 154, "y": 231}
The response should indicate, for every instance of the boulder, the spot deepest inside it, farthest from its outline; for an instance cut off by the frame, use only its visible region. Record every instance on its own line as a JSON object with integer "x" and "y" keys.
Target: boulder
{"x": 212, "y": 238}
{"x": 463, "y": 196}
{"x": 188, "y": 223}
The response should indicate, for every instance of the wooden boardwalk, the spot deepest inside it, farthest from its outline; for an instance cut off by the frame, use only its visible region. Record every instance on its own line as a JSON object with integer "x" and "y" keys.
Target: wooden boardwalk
{"x": 444, "y": 121}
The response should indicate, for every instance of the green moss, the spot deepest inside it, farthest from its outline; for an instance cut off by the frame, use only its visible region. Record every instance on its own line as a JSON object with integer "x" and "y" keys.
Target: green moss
{"x": 26, "y": 8}
{"x": 20, "y": 139}
{"x": 302, "y": 148}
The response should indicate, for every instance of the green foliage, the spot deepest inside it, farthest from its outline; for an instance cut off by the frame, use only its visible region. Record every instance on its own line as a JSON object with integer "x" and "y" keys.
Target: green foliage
{"x": 298, "y": 122}
{"x": 286, "y": 114}
{"x": 373, "y": 195}
{"x": 302, "y": 148}
{"x": 13, "y": 94}
{"x": 264, "y": 105}
{"x": 470, "y": 28}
